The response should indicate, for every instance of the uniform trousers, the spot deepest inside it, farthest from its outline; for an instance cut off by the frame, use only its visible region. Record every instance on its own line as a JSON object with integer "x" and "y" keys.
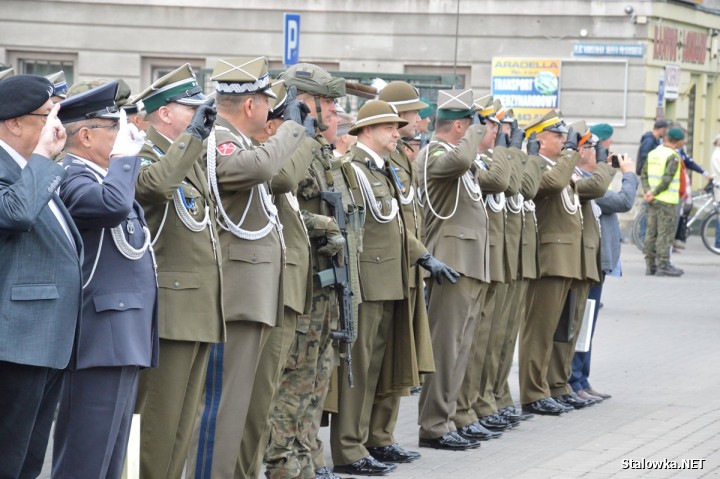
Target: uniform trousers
{"x": 560, "y": 367}
{"x": 660, "y": 234}
{"x": 581, "y": 361}
{"x": 548, "y": 296}
{"x": 221, "y": 415}
{"x": 485, "y": 405}
{"x": 93, "y": 423}
{"x": 384, "y": 416}
{"x": 168, "y": 397}
{"x": 516, "y": 315}
{"x": 313, "y": 418}
{"x": 470, "y": 390}
{"x": 288, "y": 453}
{"x": 28, "y": 399}
{"x": 453, "y": 312}
{"x": 264, "y": 395}
{"x": 349, "y": 429}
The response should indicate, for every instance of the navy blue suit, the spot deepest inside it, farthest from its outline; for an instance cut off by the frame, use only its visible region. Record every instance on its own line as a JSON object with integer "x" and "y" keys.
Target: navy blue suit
{"x": 117, "y": 333}
{"x": 40, "y": 294}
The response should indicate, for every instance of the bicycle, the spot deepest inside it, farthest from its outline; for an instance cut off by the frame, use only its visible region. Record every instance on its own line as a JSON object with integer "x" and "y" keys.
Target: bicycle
{"x": 709, "y": 212}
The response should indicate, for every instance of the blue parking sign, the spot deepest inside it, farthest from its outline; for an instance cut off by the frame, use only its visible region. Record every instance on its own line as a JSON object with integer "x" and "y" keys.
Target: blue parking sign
{"x": 291, "y": 32}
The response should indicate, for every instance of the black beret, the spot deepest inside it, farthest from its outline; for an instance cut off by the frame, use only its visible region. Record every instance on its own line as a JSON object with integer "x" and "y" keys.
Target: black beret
{"x": 23, "y": 94}
{"x": 96, "y": 103}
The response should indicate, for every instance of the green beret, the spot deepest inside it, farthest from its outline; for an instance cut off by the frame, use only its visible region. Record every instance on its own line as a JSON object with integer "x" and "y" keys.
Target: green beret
{"x": 428, "y": 110}
{"x": 676, "y": 134}
{"x": 602, "y": 130}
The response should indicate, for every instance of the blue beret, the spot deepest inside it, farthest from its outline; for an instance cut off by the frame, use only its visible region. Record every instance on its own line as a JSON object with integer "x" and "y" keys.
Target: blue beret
{"x": 96, "y": 103}
{"x": 23, "y": 94}
{"x": 602, "y": 130}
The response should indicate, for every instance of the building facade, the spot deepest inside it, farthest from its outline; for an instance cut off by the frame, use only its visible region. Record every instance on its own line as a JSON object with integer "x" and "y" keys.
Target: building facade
{"x": 609, "y": 59}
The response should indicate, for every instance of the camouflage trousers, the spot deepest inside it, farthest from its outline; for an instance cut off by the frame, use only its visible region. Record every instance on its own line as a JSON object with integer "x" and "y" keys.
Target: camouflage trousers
{"x": 660, "y": 233}
{"x": 303, "y": 387}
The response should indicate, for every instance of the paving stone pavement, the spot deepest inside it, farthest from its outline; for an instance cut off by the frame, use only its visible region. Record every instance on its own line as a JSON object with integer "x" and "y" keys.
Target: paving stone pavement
{"x": 656, "y": 350}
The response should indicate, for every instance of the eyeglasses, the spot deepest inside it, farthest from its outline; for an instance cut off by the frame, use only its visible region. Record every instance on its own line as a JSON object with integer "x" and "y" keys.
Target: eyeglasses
{"x": 114, "y": 126}
{"x": 44, "y": 116}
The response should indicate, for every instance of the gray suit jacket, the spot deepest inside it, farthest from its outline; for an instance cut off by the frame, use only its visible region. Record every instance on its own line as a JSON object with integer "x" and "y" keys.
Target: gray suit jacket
{"x": 118, "y": 326}
{"x": 40, "y": 277}
{"x": 611, "y": 204}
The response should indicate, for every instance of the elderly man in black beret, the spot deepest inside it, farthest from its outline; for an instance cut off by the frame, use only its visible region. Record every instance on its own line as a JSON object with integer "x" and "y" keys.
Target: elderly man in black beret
{"x": 40, "y": 277}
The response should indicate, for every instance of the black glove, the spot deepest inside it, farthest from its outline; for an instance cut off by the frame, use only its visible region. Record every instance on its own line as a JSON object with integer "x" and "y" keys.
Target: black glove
{"x": 533, "y": 145}
{"x": 438, "y": 269}
{"x": 478, "y": 118}
{"x": 517, "y": 135}
{"x": 573, "y": 138}
{"x": 202, "y": 121}
{"x": 501, "y": 139}
{"x": 299, "y": 112}
{"x": 601, "y": 153}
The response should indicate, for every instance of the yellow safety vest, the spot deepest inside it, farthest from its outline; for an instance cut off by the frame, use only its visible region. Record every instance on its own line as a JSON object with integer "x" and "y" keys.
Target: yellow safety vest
{"x": 657, "y": 160}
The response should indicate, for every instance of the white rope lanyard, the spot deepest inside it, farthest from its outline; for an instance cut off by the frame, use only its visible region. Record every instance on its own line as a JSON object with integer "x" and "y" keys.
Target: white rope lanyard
{"x": 425, "y": 176}
{"x": 496, "y": 202}
{"x": 122, "y": 245}
{"x": 369, "y": 199}
{"x": 515, "y": 203}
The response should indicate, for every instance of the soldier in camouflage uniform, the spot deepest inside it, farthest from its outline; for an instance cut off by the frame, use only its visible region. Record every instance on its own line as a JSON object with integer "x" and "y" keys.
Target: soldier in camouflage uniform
{"x": 293, "y": 449}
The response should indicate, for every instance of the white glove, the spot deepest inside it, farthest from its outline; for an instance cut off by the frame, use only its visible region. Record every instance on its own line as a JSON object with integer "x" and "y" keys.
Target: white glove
{"x": 129, "y": 140}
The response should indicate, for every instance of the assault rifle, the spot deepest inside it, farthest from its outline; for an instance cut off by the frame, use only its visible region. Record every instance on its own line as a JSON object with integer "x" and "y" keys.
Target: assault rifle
{"x": 339, "y": 276}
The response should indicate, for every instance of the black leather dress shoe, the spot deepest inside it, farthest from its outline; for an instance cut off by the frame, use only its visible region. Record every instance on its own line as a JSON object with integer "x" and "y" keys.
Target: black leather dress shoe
{"x": 572, "y": 400}
{"x": 325, "y": 473}
{"x": 477, "y": 431}
{"x": 367, "y": 466}
{"x": 514, "y": 412}
{"x": 450, "y": 441}
{"x": 495, "y": 423}
{"x": 393, "y": 453}
{"x": 561, "y": 405}
{"x": 543, "y": 407}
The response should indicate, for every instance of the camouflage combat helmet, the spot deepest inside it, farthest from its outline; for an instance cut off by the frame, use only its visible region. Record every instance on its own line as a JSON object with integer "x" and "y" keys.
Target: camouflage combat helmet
{"x": 312, "y": 79}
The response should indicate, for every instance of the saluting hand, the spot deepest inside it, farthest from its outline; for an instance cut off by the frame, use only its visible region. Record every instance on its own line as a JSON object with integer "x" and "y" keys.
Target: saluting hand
{"x": 52, "y": 137}
{"x": 129, "y": 141}
{"x": 533, "y": 145}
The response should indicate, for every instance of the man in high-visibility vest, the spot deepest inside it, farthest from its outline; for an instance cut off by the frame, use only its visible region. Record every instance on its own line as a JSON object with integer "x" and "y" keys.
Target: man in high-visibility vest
{"x": 661, "y": 181}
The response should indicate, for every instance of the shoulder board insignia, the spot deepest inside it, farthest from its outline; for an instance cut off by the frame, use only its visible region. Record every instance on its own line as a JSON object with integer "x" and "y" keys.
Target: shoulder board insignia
{"x": 145, "y": 162}
{"x": 227, "y": 148}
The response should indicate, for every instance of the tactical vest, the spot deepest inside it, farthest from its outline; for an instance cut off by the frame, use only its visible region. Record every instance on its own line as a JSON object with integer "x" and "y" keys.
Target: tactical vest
{"x": 656, "y": 162}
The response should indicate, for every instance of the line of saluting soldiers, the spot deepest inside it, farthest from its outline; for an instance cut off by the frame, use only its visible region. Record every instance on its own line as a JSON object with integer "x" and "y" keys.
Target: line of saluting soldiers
{"x": 178, "y": 273}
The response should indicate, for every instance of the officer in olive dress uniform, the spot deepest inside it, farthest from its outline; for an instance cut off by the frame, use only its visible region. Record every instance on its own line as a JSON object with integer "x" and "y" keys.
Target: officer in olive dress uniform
{"x": 297, "y": 290}
{"x": 381, "y": 442}
{"x": 559, "y": 223}
{"x": 388, "y": 250}
{"x": 520, "y": 235}
{"x": 493, "y": 171}
{"x": 589, "y": 187}
{"x": 295, "y": 448}
{"x": 457, "y": 233}
{"x": 117, "y": 332}
{"x": 173, "y": 190}
{"x": 253, "y": 253}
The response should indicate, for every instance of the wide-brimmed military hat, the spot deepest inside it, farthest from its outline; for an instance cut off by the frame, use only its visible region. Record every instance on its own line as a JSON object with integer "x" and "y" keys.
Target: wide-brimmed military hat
{"x": 485, "y": 106}
{"x": 550, "y": 121}
{"x": 403, "y": 96}
{"x": 60, "y": 86}
{"x": 23, "y": 94}
{"x": 455, "y": 104}
{"x": 376, "y": 112}
{"x": 97, "y": 102}
{"x": 278, "y": 104}
{"x": 242, "y": 76}
{"x": 6, "y": 73}
{"x": 313, "y": 79}
{"x": 178, "y": 86}
{"x": 587, "y": 135}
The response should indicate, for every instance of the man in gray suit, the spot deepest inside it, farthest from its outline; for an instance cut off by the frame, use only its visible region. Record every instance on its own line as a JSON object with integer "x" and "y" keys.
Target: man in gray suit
{"x": 117, "y": 332}
{"x": 40, "y": 277}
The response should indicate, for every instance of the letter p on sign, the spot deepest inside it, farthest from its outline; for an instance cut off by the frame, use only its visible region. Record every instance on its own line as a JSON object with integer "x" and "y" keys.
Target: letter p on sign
{"x": 291, "y": 32}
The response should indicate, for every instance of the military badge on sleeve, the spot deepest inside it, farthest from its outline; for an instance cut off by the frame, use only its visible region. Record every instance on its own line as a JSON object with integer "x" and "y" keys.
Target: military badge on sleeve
{"x": 227, "y": 148}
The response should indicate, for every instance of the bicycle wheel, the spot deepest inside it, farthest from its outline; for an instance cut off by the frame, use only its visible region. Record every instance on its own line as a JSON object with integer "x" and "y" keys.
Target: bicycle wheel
{"x": 638, "y": 229}
{"x": 710, "y": 232}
